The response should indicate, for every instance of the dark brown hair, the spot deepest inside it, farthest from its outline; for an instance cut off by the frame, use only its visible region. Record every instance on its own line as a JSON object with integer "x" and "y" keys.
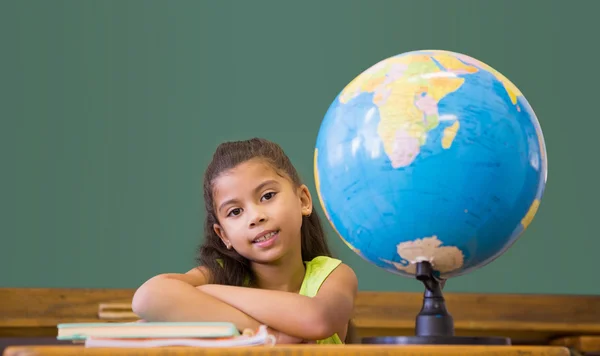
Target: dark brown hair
{"x": 227, "y": 266}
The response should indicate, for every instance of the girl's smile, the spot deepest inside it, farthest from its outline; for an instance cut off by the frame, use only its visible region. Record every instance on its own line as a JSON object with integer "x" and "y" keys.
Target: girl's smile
{"x": 266, "y": 238}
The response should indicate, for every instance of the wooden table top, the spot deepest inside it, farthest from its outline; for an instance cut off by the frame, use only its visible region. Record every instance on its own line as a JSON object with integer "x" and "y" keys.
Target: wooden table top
{"x": 525, "y": 318}
{"x": 295, "y": 350}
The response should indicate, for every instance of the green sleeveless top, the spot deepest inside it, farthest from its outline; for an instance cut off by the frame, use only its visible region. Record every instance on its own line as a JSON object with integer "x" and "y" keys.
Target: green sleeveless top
{"x": 317, "y": 271}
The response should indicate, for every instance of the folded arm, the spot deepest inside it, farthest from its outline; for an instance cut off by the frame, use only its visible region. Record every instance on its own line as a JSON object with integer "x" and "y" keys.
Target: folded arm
{"x": 175, "y": 297}
{"x": 304, "y": 317}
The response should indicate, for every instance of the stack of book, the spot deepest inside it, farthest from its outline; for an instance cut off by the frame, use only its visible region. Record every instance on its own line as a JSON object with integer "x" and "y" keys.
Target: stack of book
{"x": 159, "y": 334}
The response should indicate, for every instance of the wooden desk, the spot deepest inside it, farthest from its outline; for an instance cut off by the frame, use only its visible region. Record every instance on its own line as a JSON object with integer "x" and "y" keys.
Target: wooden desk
{"x": 526, "y": 319}
{"x": 296, "y": 350}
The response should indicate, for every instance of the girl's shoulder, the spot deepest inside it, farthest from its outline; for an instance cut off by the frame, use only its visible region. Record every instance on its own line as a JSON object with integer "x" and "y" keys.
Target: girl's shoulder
{"x": 323, "y": 262}
{"x": 320, "y": 269}
{"x": 198, "y": 276}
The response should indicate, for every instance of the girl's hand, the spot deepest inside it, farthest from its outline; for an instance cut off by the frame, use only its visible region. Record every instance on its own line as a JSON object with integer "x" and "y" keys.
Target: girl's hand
{"x": 282, "y": 338}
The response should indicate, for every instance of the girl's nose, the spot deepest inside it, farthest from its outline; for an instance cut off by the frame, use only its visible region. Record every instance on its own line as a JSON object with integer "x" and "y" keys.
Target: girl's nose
{"x": 258, "y": 218}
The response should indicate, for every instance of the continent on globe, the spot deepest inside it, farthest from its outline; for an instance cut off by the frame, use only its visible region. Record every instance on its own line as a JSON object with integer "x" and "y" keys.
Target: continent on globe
{"x": 530, "y": 213}
{"x": 407, "y": 92}
{"x": 443, "y": 258}
{"x": 450, "y": 134}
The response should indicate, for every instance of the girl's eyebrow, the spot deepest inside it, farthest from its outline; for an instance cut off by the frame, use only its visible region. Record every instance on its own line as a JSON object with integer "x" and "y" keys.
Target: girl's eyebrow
{"x": 256, "y": 190}
{"x": 230, "y": 201}
{"x": 265, "y": 183}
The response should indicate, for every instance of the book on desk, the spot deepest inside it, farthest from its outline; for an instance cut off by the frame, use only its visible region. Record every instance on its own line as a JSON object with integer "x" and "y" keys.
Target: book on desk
{"x": 159, "y": 334}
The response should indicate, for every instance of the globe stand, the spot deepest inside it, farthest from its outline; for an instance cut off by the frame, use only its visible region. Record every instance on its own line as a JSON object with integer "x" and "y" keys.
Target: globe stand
{"x": 434, "y": 325}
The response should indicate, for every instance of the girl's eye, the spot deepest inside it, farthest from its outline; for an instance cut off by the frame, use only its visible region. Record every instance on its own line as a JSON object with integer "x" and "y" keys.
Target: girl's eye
{"x": 235, "y": 212}
{"x": 268, "y": 196}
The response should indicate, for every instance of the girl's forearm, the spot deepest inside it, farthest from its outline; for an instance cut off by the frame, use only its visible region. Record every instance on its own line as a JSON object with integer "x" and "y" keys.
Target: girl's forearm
{"x": 169, "y": 299}
{"x": 290, "y": 313}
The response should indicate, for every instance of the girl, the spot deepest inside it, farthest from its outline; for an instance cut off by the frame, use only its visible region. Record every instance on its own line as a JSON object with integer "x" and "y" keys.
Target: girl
{"x": 264, "y": 260}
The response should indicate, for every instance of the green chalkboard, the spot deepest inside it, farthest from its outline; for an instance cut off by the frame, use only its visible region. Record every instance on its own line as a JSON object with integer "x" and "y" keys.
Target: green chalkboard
{"x": 111, "y": 110}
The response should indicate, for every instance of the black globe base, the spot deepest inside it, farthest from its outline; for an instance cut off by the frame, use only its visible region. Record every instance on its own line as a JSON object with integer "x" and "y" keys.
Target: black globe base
{"x": 434, "y": 325}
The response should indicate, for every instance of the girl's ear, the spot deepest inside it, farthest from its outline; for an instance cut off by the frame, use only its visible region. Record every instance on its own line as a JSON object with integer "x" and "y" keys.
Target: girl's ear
{"x": 305, "y": 200}
{"x": 221, "y": 233}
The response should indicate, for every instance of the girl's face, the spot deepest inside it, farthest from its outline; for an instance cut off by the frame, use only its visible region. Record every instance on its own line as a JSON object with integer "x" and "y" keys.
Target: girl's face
{"x": 259, "y": 211}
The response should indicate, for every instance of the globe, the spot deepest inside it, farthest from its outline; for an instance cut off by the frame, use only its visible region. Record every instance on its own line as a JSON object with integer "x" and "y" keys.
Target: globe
{"x": 430, "y": 156}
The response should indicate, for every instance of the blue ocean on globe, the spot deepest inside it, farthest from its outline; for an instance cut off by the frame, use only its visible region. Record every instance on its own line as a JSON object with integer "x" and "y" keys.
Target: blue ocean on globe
{"x": 430, "y": 156}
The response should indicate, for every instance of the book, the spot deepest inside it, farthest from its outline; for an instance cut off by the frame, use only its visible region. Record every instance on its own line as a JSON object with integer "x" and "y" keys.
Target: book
{"x": 146, "y": 330}
{"x": 262, "y": 337}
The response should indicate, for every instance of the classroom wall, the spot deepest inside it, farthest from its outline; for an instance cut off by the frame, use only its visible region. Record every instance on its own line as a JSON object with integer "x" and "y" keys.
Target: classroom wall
{"x": 111, "y": 110}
